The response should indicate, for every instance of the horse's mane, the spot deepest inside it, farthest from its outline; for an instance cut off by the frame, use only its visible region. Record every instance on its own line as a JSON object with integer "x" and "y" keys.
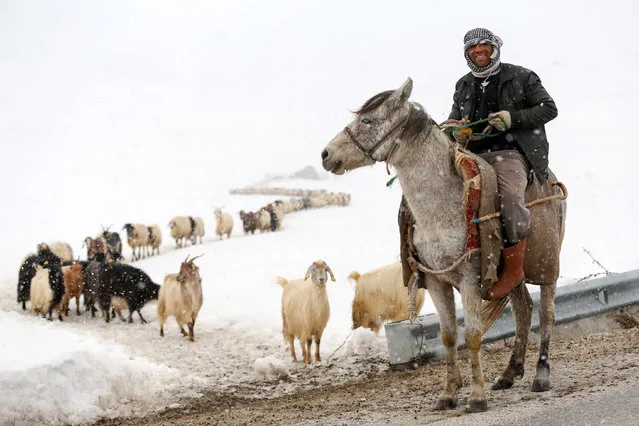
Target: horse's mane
{"x": 418, "y": 119}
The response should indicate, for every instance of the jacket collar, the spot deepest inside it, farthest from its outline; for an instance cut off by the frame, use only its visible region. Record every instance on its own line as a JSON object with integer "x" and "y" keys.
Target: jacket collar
{"x": 506, "y": 73}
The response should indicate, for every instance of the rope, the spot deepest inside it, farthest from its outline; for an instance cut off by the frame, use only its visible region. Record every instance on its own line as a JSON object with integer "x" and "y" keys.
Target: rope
{"x": 464, "y": 257}
{"x": 421, "y": 345}
{"x": 529, "y": 204}
{"x": 340, "y": 346}
{"x": 411, "y": 305}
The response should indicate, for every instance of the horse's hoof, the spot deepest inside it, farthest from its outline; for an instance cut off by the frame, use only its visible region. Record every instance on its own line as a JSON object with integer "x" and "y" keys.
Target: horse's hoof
{"x": 540, "y": 385}
{"x": 446, "y": 403}
{"x": 502, "y": 383}
{"x": 476, "y": 406}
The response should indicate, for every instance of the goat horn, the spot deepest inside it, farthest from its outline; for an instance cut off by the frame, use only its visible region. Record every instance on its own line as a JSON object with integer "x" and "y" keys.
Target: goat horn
{"x": 187, "y": 258}
{"x": 328, "y": 269}
{"x": 196, "y": 257}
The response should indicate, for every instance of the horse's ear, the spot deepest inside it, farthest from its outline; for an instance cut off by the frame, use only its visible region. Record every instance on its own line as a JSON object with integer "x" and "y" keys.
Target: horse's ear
{"x": 402, "y": 94}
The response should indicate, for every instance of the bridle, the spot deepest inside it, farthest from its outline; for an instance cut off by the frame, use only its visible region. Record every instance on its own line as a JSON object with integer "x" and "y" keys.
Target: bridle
{"x": 370, "y": 152}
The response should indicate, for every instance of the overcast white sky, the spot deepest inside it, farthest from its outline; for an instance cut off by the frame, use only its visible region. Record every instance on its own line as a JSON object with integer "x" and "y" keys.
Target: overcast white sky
{"x": 109, "y": 97}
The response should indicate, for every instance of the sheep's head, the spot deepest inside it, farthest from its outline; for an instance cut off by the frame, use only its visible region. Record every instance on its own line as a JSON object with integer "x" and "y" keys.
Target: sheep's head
{"x": 319, "y": 272}
{"x": 218, "y": 213}
{"x": 189, "y": 270}
{"x": 42, "y": 247}
{"x": 129, "y": 229}
{"x": 97, "y": 250}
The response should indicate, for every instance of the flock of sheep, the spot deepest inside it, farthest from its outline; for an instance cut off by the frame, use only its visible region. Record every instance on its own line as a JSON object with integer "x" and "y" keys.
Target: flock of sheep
{"x": 50, "y": 278}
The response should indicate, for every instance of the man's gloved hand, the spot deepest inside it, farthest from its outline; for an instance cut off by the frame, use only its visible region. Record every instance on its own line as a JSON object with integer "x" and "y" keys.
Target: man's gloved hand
{"x": 500, "y": 120}
{"x": 461, "y": 136}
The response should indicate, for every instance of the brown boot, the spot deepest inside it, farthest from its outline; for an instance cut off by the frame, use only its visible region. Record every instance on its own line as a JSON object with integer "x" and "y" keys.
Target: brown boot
{"x": 513, "y": 273}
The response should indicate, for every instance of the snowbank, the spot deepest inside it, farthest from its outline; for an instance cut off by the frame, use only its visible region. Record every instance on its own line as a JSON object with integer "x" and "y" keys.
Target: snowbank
{"x": 54, "y": 376}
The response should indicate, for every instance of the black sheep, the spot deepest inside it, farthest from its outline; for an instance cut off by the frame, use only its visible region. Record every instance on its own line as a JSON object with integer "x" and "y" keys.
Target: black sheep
{"x": 274, "y": 220}
{"x": 129, "y": 283}
{"x": 94, "y": 273}
{"x": 26, "y": 274}
{"x": 114, "y": 245}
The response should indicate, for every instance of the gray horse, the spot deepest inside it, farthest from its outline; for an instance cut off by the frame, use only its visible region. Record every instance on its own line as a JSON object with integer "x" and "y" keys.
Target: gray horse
{"x": 389, "y": 128}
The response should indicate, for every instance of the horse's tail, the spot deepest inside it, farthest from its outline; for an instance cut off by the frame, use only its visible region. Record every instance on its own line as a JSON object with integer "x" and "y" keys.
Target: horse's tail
{"x": 491, "y": 311}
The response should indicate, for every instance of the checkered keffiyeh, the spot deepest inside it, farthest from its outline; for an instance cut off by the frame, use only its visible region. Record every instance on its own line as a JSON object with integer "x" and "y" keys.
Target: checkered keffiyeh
{"x": 483, "y": 36}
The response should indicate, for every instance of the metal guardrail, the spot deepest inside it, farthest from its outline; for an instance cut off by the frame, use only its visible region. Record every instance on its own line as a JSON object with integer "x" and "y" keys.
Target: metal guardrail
{"x": 409, "y": 342}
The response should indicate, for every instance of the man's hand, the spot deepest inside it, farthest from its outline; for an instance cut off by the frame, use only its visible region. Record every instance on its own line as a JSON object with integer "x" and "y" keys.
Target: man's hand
{"x": 463, "y": 136}
{"x": 500, "y": 120}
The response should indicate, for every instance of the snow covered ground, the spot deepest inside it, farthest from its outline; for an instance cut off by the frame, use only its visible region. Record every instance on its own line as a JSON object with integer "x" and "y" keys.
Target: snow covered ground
{"x": 138, "y": 112}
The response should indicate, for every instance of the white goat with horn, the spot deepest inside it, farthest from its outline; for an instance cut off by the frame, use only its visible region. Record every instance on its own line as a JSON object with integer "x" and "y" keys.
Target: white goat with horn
{"x": 181, "y": 296}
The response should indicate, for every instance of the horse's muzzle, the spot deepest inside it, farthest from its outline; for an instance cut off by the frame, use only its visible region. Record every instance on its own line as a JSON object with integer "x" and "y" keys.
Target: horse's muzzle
{"x": 330, "y": 165}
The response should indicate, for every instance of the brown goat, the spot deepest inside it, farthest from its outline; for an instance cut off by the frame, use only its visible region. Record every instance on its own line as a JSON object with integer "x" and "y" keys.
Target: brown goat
{"x": 248, "y": 221}
{"x": 73, "y": 288}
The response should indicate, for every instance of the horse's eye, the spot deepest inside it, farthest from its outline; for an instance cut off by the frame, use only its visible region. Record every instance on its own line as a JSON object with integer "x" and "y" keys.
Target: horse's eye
{"x": 366, "y": 121}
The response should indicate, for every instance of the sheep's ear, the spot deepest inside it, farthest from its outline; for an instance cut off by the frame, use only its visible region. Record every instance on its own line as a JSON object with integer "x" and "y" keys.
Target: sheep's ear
{"x": 309, "y": 271}
{"x": 328, "y": 269}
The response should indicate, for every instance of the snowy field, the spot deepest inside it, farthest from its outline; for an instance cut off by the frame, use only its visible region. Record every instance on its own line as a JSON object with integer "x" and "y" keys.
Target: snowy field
{"x": 239, "y": 324}
{"x": 141, "y": 111}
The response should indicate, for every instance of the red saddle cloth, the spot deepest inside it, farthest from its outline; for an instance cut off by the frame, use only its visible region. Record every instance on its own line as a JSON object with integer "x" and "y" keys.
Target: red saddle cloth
{"x": 469, "y": 171}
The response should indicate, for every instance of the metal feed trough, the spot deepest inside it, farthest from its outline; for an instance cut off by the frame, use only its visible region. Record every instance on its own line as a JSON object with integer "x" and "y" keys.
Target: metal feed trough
{"x": 408, "y": 342}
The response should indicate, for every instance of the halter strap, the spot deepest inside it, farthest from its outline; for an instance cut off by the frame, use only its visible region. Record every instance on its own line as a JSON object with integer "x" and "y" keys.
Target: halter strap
{"x": 374, "y": 148}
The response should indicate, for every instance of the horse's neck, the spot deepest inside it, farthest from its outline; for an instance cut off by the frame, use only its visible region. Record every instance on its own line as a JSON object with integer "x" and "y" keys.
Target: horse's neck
{"x": 432, "y": 187}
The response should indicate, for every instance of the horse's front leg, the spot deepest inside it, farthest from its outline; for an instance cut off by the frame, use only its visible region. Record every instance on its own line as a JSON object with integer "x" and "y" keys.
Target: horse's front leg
{"x": 471, "y": 298}
{"x": 444, "y": 301}
{"x": 522, "y": 305}
{"x": 546, "y": 323}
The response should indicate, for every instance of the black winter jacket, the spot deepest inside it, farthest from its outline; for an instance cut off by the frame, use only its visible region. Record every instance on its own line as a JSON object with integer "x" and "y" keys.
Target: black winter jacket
{"x": 520, "y": 92}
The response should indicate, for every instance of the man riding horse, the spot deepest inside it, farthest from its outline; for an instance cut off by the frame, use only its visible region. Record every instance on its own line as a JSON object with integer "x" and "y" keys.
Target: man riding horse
{"x": 517, "y": 106}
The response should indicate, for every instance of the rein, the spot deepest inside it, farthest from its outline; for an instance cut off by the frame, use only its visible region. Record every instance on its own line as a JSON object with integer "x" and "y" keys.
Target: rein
{"x": 466, "y": 128}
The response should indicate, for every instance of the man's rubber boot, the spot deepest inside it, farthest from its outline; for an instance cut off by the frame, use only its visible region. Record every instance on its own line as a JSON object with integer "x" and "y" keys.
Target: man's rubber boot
{"x": 513, "y": 273}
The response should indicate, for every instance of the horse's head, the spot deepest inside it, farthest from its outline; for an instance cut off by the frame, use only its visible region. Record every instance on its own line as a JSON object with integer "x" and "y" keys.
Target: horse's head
{"x": 370, "y": 136}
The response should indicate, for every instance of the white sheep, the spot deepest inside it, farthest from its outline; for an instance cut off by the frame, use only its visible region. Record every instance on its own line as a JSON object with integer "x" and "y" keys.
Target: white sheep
{"x": 155, "y": 239}
{"x": 380, "y": 295}
{"x": 62, "y": 250}
{"x": 181, "y": 229}
{"x": 276, "y": 215}
{"x": 263, "y": 220}
{"x": 198, "y": 230}
{"x": 181, "y": 296}
{"x": 305, "y": 309}
{"x": 41, "y": 294}
{"x": 224, "y": 224}
{"x": 137, "y": 238}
